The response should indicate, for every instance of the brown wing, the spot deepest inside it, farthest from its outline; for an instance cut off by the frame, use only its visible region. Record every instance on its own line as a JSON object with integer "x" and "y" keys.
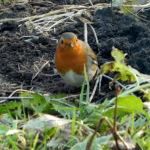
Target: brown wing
{"x": 92, "y": 60}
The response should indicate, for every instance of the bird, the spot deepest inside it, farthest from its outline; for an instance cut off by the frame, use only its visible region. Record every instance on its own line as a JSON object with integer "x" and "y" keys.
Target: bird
{"x": 71, "y": 56}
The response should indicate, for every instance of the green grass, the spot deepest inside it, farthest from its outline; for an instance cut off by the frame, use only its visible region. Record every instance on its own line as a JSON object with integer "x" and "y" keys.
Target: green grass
{"x": 4, "y": 1}
{"x": 52, "y": 122}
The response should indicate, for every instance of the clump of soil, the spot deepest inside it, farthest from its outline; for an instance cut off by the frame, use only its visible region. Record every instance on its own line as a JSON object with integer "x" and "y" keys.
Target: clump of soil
{"x": 24, "y": 52}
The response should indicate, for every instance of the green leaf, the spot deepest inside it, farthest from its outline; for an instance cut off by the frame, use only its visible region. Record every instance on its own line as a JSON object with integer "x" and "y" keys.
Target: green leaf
{"x": 147, "y": 95}
{"x": 103, "y": 139}
{"x": 128, "y": 10}
{"x": 120, "y": 112}
{"x": 26, "y": 102}
{"x": 10, "y": 107}
{"x": 3, "y": 127}
{"x": 73, "y": 123}
{"x": 39, "y": 103}
{"x": 126, "y": 73}
{"x": 118, "y": 56}
{"x": 2, "y": 109}
{"x": 132, "y": 103}
{"x": 55, "y": 142}
{"x": 64, "y": 111}
{"x": 91, "y": 107}
{"x": 95, "y": 111}
{"x": 13, "y": 144}
{"x": 81, "y": 145}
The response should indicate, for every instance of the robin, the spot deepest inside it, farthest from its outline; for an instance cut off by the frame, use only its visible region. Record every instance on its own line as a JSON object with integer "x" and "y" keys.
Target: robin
{"x": 70, "y": 57}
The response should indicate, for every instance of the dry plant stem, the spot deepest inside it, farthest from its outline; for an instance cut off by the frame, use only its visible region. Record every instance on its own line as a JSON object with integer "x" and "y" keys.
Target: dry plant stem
{"x": 70, "y": 7}
{"x": 36, "y": 16}
{"x": 135, "y": 15}
{"x": 61, "y": 102}
{"x": 32, "y": 92}
{"x": 91, "y": 2}
{"x": 4, "y": 122}
{"x": 142, "y": 90}
{"x": 3, "y": 101}
{"x": 94, "y": 90}
{"x": 95, "y": 35}
{"x": 20, "y": 90}
{"x": 85, "y": 32}
{"x": 89, "y": 144}
{"x": 5, "y": 98}
{"x": 100, "y": 84}
{"x": 138, "y": 6}
{"x": 39, "y": 70}
{"x": 113, "y": 128}
{"x": 115, "y": 115}
{"x": 116, "y": 135}
{"x": 16, "y": 98}
{"x": 115, "y": 81}
{"x": 60, "y": 21}
{"x": 116, "y": 103}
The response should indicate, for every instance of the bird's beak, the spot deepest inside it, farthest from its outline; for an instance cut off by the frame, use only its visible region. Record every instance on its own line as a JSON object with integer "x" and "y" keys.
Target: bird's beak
{"x": 70, "y": 45}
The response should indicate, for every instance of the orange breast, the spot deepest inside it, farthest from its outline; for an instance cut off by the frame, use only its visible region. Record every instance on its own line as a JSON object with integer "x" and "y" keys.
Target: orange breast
{"x": 70, "y": 58}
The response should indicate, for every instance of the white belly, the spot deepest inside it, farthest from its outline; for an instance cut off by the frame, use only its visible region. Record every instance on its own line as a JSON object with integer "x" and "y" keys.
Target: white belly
{"x": 73, "y": 79}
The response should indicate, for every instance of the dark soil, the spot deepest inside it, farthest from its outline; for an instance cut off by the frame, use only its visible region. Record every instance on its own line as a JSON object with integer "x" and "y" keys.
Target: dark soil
{"x": 22, "y": 51}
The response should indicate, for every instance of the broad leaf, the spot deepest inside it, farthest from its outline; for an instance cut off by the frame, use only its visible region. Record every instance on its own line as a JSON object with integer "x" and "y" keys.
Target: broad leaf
{"x": 132, "y": 103}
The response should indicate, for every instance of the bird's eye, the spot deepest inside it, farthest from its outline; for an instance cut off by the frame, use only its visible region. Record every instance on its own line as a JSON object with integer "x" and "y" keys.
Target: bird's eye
{"x": 62, "y": 42}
